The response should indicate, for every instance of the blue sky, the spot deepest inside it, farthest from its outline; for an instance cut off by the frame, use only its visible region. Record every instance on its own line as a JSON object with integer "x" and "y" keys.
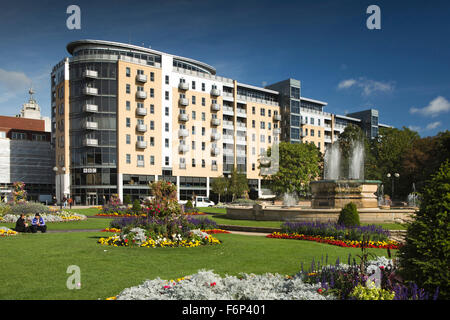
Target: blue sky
{"x": 402, "y": 70}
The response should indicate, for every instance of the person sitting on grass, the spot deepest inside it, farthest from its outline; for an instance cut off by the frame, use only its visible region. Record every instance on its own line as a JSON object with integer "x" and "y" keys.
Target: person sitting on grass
{"x": 22, "y": 225}
{"x": 38, "y": 224}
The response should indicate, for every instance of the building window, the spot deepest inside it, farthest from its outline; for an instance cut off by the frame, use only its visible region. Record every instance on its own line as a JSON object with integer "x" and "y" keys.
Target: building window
{"x": 128, "y": 158}
{"x": 128, "y": 122}
{"x": 128, "y": 104}
{"x": 262, "y": 125}
{"x": 253, "y": 124}
{"x": 203, "y": 116}
{"x": 203, "y": 146}
{"x": 152, "y": 125}
{"x": 253, "y": 110}
{"x": 193, "y": 115}
{"x": 166, "y": 161}
{"x": 312, "y": 120}
{"x": 203, "y": 131}
{"x": 253, "y": 167}
{"x": 193, "y": 145}
{"x": 167, "y": 79}
{"x": 193, "y": 85}
{"x": 152, "y": 108}
{"x": 193, "y": 129}
{"x": 193, "y": 99}
{"x": 193, "y": 162}
{"x": 203, "y": 101}
{"x": 167, "y": 95}
{"x": 312, "y": 132}
{"x": 128, "y": 72}
{"x": 152, "y": 141}
{"x": 128, "y": 139}
{"x": 128, "y": 89}
{"x": 152, "y": 160}
{"x": 253, "y": 137}
{"x": 166, "y": 111}
{"x": 269, "y": 113}
{"x": 152, "y": 93}
{"x": 140, "y": 160}
{"x": 166, "y": 143}
{"x": 166, "y": 125}
{"x": 152, "y": 76}
{"x": 262, "y": 111}
{"x": 262, "y": 138}
{"x": 203, "y": 163}
{"x": 203, "y": 87}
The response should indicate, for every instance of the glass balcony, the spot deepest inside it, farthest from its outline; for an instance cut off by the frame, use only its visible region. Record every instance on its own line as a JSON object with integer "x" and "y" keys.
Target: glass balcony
{"x": 215, "y": 136}
{"x": 90, "y": 108}
{"x": 215, "y": 151}
{"x": 141, "y": 94}
{"x": 141, "y": 111}
{"x": 184, "y": 101}
{"x": 90, "y": 125}
{"x": 183, "y": 133}
{"x": 183, "y": 148}
{"x": 277, "y": 117}
{"x": 215, "y": 107}
{"x": 140, "y": 163}
{"x": 182, "y": 165}
{"x": 141, "y": 128}
{"x": 183, "y": 117}
{"x": 215, "y": 122}
{"x": 90, "y": 74}
{"x": 141, "y": 144}
{"x": 90, "y": 91}
{"x": 183, "y": 86}
{"x": 90, "y": 142}
{"x": 141, "y": 78}
{"x": 215, "y": 92}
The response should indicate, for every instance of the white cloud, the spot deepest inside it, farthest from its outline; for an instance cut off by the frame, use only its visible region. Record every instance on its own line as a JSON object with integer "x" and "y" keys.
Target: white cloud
{"x": 433, "y": 125}
{"x": 13, "y": 80}
{"x": 436, "y": 106}
{"x": 415, "y": 128}
{"x": 368, "y": 86}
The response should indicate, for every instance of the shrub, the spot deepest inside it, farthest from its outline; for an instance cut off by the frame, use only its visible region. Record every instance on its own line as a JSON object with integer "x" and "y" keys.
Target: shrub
{"x": 424, "y": 258}
{"x": 189, "y": 204}
{"x": 4, "y": 209}
{"x": 136, "y": 205}
{"x": 349, "y": 215}
{"x": 29, "y": 208}
{"x": 127, "y": 200}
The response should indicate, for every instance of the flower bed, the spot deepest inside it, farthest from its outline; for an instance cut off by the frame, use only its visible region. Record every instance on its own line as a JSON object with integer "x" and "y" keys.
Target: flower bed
{"x": 6, "y": 232}
{"x": 62, "y": 216}
{"x": 206, "y": 285}
{"x": 215, "y": 231}
{"x": 143, "y": 238}
{"x": 389, "y": 244}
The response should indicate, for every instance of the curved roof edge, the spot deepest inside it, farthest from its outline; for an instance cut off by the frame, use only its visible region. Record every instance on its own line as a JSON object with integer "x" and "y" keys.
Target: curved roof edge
{"x": 73, "y": 44}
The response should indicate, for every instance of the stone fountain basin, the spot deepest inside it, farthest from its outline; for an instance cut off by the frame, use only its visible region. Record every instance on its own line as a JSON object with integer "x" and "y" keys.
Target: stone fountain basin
{"x": 338, "y": 193}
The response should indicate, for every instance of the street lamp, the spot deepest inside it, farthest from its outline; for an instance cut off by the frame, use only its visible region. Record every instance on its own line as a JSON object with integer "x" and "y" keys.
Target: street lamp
{"x": 61, "y": 187}
{"x": 396, "y": 175}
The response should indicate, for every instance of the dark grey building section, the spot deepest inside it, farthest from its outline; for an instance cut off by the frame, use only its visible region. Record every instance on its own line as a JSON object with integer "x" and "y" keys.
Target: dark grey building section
{"x": 369, "y": 121}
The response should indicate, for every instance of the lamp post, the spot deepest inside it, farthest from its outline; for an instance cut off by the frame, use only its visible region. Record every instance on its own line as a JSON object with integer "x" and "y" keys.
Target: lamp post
{"x": 61, "y": 187}
{"x": 395, "y": 175}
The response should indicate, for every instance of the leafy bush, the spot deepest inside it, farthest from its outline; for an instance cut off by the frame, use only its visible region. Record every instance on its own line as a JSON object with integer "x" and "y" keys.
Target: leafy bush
{"x": 425, "y": 257}
{"x": 189, "y": 204}
{"x": 127, "y": 199}
{"x": 349, "y": 215}
{"x": 29, "y": 208}
{"x": 4, "y": 209}
{"x": 371, "y": 293}
{"x": 136, "y": 206}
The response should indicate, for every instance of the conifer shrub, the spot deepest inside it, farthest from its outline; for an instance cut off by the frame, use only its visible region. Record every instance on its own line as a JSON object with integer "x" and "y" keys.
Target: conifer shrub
{"x": 349, "y": 215}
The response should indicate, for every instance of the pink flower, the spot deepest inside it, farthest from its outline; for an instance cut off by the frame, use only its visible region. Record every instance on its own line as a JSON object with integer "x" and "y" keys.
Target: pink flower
{"x": 212, "y": 284}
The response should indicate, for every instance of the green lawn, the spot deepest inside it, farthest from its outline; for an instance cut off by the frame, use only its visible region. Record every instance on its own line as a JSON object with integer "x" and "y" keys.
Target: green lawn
{"x": 34, "y": 265}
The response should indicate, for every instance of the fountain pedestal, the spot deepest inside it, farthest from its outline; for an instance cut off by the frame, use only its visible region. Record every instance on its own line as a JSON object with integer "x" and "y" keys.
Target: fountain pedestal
{"x": 337, "y": 193}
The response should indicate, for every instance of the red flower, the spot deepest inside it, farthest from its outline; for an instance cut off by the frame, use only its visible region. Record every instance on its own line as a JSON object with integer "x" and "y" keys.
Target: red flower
{"x": 320, "y": 290}
{"x": 212, "y": 284}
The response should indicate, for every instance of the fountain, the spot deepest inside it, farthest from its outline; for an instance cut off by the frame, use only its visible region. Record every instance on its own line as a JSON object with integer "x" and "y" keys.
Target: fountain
{"x": 341, "y": 186}
{"x": 289, "y": 199}
{"x": 413, "y": 197}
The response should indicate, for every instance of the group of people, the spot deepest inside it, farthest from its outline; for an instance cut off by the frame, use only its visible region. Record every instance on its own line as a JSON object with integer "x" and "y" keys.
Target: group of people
{"x": 37, "y": 224}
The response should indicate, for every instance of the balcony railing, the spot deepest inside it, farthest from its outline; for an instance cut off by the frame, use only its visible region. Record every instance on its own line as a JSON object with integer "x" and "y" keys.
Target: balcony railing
{"x": 182, "y": 165}
{"x": 141, "y": 94}
{"x": 215, "y": 136}
{"x": 183, "y": 148}
{"x": 183, "y": 117}
{"x": 215, "y": 122}
{"x": 215, "y": 92}
{"x": 184, "y": 102}
{"x": 183, "y": 86}
{"x": 141, "y": 78}
{"x": 141, "y": 127}
{"x": 277, "y": 117}
{"x": 90, "y": 107}
{"x": 141, "y": 111}
{"x": 215, "y": 107}
{"x": 241, "y": 112}
{"x": 90, "y": 142}
{"x": 140, "y": 163}
{"x": 90, "y": 91}
{"x": 215, "y": 151}
{"x": 90, "y": 74}
{"x": 228, "y": 110}
{"x": 183, "y": 133}
{"x": 90, "y": 125}
{"x": 140, "y": 144}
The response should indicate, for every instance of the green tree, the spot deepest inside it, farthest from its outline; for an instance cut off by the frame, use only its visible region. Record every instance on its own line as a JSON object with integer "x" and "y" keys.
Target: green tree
{"x": 299, "y": 164}
{"x": 388, "y": 150}
{"x": 219, "y": 186}
{"x": 425, "y": 257}
{"x": 237, "y": 184}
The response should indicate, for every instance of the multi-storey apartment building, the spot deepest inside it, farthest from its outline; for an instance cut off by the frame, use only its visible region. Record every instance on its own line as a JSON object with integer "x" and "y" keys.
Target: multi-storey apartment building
{"x": 124, "y": 116}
